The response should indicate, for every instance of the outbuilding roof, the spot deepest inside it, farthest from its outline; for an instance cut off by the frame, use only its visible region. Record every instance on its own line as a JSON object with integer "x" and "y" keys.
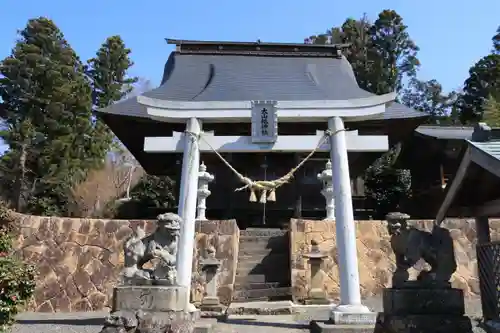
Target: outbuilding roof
{"x": 476, "y": 182}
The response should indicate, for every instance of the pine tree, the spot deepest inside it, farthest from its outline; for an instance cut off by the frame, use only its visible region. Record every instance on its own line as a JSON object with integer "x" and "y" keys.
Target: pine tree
{"x": 47, "y": 112}
{"x": 382, "y": 53}
{"x": 391, "y": 53}
{"x": 110, "y": 83}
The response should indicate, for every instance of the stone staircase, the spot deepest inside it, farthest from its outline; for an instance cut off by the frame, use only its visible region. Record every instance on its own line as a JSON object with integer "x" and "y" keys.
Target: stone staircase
{"x": 263, "y": 272}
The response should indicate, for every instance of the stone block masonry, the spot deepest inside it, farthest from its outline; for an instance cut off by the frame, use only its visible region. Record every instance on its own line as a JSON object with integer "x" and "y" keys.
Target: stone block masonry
{"x": 79, "y": 260}
{"x": 376, "y": 261}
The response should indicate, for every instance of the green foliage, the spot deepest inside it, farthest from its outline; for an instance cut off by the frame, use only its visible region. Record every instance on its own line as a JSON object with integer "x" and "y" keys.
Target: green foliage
{"x": 428, "y": 97}
{"x": 110, "y": 83}
{"x": 152, "y": 194}
{"x": 357, "y": 34}
{"x": 387, "y": 186}
{"x": 392, "y": 52}
{"x": 496, "y": 42}
{"x": 491, "y": 114}
{"x": 483, "y": 82}
{"x": 48, "y": 102}
{"x": 17, "y": 282}
{"x": 381, "y": 53}
{"x": 47, "y": 113}
{"x": 154, "y": 191}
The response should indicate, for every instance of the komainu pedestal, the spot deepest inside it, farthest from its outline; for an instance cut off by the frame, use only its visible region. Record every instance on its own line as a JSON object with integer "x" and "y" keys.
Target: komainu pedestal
{"x": 429, "y": 304}
{"x": 151, "y": 309}
{"x": 149, "y": 300}
{"x": 418, "y": 309}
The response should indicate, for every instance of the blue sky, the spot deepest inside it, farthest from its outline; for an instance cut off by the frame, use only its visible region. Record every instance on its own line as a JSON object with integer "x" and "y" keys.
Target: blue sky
{"x": 452, "y": 35}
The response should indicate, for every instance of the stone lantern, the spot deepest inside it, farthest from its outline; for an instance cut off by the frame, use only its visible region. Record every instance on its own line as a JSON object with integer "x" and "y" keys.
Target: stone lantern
{"x": 316, "y": 293}
{"x": 326, "y": 178}
{"x": 204, "y": 178}
{"x": 210, "y": 267}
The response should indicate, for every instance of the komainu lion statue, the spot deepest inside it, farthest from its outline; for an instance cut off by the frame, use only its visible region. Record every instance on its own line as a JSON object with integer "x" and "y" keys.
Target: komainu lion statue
{"x": 410, "y": 244}
{"x": 160, "y": 245}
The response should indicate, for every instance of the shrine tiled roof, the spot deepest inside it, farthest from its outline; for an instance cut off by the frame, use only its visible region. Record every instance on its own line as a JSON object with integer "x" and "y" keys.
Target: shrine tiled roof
{"x": 212, "y": 77}
{"x": 399, "y": 111}
{"x": 200, "y": 77}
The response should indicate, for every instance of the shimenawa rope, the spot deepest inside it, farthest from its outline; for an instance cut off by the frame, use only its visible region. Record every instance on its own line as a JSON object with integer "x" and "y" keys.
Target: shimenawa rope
{"x": 266, "y": 188}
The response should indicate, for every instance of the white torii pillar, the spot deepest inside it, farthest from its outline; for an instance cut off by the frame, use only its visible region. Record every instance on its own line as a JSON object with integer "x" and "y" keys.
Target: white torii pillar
{"x": 187, "y": 205}
{"x": 350, "y": 296}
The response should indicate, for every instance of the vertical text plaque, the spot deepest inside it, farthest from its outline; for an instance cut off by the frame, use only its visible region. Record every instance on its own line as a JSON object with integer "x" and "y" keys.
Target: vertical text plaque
{"x": 264, "y": 122}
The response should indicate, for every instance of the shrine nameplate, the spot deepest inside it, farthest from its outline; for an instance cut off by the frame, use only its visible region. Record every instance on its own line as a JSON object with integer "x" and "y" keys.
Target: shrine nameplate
{"x": 264, "y": 122}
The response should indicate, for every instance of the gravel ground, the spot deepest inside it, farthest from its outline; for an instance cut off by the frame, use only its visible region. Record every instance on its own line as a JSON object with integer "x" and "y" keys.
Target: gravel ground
{"x": 91, "y": 322}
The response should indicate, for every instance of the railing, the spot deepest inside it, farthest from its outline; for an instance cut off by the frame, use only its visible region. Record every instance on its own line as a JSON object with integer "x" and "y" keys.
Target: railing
{"x": 488, "y": 261}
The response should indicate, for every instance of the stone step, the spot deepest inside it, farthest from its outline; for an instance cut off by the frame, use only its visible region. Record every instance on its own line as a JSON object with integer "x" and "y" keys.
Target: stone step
{"x": 251, "y": 278}
{"x": 256, "y": 254}
{"x": 254, "y": 251}
{"x": 262, "y": 285}
{"x": 255, "y": 299}
{"x": 270, "y": 293}
{"x": 250, "y": 270}
{"x": 274, "y": 270}
{"x": 274, "y": 244}
{"x": 261, "y": 251}
{"x": 261, "y": 278}
{"x": 268, "y": 259}
{"x": 263, "y": 232}
{"x": 274, "y": 239}
{"x": 275, "y": 259}
{"x": 241, "y": 310}
{"x": 271, "y": 267}
{"x": 270, "y": 276}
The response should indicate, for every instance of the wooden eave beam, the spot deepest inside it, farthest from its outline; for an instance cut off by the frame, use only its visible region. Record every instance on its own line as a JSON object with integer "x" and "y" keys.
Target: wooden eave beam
{"x": 487, "y": 209}
{"x": 455, "y": 186}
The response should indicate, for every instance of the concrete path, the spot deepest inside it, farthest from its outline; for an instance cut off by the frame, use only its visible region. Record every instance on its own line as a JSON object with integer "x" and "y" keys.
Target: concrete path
{"x": 91, "y": 322}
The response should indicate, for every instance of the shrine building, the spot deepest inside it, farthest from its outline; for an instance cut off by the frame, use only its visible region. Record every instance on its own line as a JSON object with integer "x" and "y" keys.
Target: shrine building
{"x": 264, "y": 107}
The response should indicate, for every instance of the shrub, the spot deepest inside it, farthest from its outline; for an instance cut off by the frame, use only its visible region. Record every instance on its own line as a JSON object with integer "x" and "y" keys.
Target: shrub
{"x": 17, "y": 281}
{"x": 387, "y": 186}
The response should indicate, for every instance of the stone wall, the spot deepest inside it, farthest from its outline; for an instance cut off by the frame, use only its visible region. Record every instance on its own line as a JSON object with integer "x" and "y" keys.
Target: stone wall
{"x": 224, "y": 236}
{"x": 79, "y": 260}
{"x": 376, "y": 261}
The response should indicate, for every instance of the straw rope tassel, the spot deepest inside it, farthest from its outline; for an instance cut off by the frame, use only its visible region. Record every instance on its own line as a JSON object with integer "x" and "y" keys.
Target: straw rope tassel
{"x": 272, "y": 195}
{"x": 263, "y": 196}
{"x": 253, "y": 197}
{"x": 266, "y": 189}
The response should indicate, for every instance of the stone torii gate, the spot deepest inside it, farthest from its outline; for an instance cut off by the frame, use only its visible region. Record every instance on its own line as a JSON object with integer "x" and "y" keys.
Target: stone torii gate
{"x": 264, "y": 117}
